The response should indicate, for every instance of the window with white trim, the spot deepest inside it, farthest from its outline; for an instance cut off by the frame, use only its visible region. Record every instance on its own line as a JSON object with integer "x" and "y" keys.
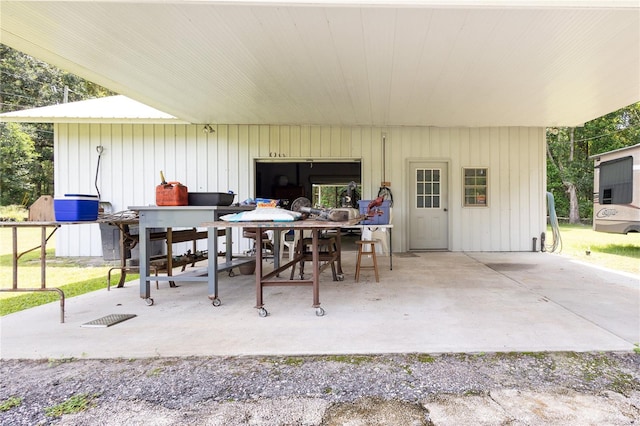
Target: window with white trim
{"x": 475, "y": 187}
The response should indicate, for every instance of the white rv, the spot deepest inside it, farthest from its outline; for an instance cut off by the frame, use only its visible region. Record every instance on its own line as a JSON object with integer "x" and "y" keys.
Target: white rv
{"x": 616, "y": 191}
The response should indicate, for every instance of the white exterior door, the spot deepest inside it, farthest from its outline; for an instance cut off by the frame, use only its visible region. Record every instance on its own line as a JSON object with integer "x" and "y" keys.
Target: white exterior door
{"x": 428, "y": 205}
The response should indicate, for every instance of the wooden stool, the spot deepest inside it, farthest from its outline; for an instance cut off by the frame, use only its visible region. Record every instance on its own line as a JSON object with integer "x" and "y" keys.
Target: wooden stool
{"x": 372, "y": 252}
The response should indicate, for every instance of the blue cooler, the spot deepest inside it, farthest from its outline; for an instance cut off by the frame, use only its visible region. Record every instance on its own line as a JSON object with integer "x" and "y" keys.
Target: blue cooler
{"x": 76, "y": 208}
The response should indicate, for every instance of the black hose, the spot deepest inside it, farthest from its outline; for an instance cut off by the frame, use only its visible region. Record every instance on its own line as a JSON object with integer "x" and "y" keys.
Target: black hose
{"x": 386, "y": 194}
{"x": 99, "y": 148}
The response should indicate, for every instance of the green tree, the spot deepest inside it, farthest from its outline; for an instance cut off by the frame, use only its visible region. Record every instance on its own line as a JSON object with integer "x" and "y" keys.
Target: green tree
{"x": 26, "y": 82}
{"x": 570, "y": 168}
{"x": 18, "y": 153}
{"x": 616, "y": 130}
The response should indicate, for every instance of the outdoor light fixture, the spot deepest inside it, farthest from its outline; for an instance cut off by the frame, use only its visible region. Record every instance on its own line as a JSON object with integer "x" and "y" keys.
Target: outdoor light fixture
{"x": 208, "y": 129}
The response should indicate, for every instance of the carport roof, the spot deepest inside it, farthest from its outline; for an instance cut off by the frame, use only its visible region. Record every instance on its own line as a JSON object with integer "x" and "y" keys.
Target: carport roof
{"x": 420, "y": 62}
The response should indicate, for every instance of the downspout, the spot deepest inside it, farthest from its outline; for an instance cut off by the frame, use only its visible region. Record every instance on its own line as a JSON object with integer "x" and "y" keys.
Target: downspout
{"x": 384, "y": 157}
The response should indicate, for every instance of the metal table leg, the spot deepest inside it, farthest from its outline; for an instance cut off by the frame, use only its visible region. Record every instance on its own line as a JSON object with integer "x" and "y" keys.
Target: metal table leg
{"x": 43, "y": 266}
{"x": 259, "y": 294}
{"x": 145, "y": 244}
{"x": 212, "y": 266}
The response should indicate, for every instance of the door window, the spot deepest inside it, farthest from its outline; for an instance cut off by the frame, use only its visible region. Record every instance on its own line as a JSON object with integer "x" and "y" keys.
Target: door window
{"x": 428, "y": 188}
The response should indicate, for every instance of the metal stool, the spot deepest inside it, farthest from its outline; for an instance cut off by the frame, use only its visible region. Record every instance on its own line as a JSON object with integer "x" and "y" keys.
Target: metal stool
{"x": 267, "y": 245}
{"x": 372, "y": 252}
{"x": 328, "y": 255}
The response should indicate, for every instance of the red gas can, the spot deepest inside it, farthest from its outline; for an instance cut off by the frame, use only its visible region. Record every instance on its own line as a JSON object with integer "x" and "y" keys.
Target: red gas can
{"x": 172, "y": 194}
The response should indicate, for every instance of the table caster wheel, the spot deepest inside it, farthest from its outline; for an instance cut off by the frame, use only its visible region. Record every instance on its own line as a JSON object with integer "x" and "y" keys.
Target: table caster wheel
{"x": 148, "y": 301}
{"x": 340, "y": 277}
{"x": 263, "y": 312}
{"x": 231, "y": 273}
{"x": 319, "y": 312}
{"x": 216, "y": 302}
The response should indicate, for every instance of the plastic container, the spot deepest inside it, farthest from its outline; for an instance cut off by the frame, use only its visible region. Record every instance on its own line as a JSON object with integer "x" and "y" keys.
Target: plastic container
{"x": 76, "y": 208}
{"x": 380, "y": 213}
{"x": 172, "y": 194}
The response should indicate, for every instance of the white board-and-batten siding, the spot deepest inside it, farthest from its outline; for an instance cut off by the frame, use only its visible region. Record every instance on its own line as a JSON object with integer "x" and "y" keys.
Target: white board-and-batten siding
{"x": 134, "y": 154}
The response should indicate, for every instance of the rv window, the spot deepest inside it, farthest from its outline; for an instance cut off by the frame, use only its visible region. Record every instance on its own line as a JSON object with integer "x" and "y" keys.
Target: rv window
{"x": 616, "y": 181}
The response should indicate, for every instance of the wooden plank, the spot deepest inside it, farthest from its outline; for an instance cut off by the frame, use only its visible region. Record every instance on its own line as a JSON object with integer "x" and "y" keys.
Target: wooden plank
{"x": 181, "y": 236}
{"x": 42, "y": 209}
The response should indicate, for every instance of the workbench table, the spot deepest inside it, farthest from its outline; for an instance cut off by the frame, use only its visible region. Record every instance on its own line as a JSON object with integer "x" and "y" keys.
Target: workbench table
{"x": 185, "y": 217}
{"x": 272, "y": 278}
{"x": 47, "y": 229}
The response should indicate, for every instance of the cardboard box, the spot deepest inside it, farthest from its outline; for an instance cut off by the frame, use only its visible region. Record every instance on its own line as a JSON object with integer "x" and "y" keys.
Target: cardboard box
{"x": 76, "y": 208}
{"x": 380, "y": 213}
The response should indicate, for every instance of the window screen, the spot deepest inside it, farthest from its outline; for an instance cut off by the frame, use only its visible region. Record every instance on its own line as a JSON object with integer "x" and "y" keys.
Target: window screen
{"x": 616, "y": 181}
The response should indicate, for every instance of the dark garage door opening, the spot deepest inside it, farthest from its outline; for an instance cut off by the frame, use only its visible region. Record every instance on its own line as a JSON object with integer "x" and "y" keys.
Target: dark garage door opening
{"x": 320, "y": 181}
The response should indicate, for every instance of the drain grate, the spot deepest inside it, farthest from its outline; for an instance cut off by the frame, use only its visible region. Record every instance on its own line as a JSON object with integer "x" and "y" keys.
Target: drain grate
{"x": 108, "y": 320}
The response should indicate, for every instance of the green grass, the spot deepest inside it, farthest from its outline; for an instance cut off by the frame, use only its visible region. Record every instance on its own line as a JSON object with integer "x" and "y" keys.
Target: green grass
{"x": 614, "y": 251}
{"x": 14, "y": 213}
{"x": 28, "y": 300}
{"x": 350, "y": 359}
{"x": 73, "y": 404}
{"x": 425, "y": 358}
{"x": 9, "y": 403}
{"x": 72, "y": 275}
{"x": 28, "y": 238}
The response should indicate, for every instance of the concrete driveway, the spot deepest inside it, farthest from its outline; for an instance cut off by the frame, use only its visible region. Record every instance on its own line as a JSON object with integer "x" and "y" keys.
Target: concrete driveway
{"x": 429, "y": 302}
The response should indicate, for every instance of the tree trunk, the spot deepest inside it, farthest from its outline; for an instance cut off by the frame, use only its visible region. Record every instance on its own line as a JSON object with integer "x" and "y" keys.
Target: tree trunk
{"x": 572, "y": 144}
{"x": 574, "y": 206}
{"x": 574, "y": 211}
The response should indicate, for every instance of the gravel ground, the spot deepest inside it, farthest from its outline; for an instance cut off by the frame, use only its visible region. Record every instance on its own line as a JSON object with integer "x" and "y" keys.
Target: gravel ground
{"x": 410, "y": 389}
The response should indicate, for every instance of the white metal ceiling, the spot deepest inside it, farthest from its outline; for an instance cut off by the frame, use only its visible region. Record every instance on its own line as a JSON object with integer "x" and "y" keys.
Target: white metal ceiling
{"x": 441, "y": 63}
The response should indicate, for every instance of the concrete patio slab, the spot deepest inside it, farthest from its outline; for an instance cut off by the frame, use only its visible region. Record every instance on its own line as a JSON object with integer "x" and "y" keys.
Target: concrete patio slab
{"x": 429, "y": 302}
